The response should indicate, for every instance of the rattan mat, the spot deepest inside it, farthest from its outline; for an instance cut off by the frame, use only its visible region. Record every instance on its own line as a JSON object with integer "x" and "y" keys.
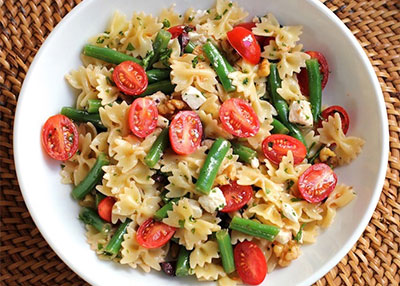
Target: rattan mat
{"x": 25, "y": 257}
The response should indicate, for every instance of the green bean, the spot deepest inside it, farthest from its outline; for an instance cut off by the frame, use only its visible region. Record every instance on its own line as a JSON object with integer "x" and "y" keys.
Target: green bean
{"x": 157, "y": 148}
{"x": 156, "y": 75}
{"x": 279, "y": 128}
{"x": 98, "y": 198}
{"x": 163, "y": 212}
{"x": 160, "y": 44}
{"x": 183, "y": 264}
{"x": 190, "y": 47}
{"x": 225, "y": 248}
{"x": 254, "y": 228}
{"x": 274, "y": 82}
{"x": 211, "y": 165}
{"x": 108, "y": 55}
{"x": 220, "y": 65}
{"x": 92, "y": 178}
{"x": 89, "y": 216}
{"x": 83, "y": 116}
{"x": 114, "y": 245}
{"x": 316, "y": 155}
{"x": 94, "y": 105}
{"x": 314, "y": 86}
{"x": 246, "y": 154}
{"x": 165, "y": 86}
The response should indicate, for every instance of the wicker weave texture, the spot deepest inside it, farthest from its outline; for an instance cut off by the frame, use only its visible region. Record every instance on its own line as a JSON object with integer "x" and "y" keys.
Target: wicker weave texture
{"x": 25, "y": 257}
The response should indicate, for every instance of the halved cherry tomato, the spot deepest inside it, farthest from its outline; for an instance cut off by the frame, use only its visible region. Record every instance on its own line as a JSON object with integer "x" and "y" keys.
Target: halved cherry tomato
{"x": 239, "y": 118}
{"x": 143, "y": 115}
{"x": 178, "y": 30}
{"x": 277, "y": 146}
{"x": 244, "y": 42}
{"x": 154, "y": 234}
{"x": 130, "y": 78}
{"x": 185, "y": 132}
{"x": 105, "y": 208}
{"x": 330, "y": 111}
{"x": 317, "y": 182}
{"x": 60, "y": 137}
{"x": 250, "y": 263}
{"x": 262, "y": 41}
{"x": 236, "y": 196}
{"x": 302, "y": 77}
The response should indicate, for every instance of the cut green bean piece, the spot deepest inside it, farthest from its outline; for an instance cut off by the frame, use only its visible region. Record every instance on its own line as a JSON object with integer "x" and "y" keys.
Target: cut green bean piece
{"x": 94, "y": 105}
{"x": 254, "y": 228}
{"x": 108, "y": 55}
{"x": 314, "y": 86}
{"x": 156, "y": 75}
{"x": 92, "y": 178}
{"x": 245, "y": 154}
{"x": 211, "y": 165}
{"x": 190, "y": 47}
{"x": 165, "y": 86}
{"x": 163, "y": 212}
{"x": 90, "y": 217}
{"x": 114, "y": 245}
{"x": 225, "y": 248}
{"x": 279, "y": 128}
{"x": 183, "y": 265}
{"x": 98, "y": 198}
{"x": 157, "y": 149}
{"x": 220, "y": 65}
{"x": 160, "y": 44}
{"x": 83, "y": 116}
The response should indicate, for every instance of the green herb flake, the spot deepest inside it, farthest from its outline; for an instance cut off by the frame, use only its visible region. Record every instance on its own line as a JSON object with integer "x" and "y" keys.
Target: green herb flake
{"x": 296, "y": 200}
{"x": 181, "y": 223}
{"x": 246, "y": 81}
{"x": 192, "y": 219}
{"x": 121, "y": 33}
{"x": 225, "y": 11}
{"x": 190, "y": 19}
{"x": 208, "y": 11}
{"x": 193, "y": 230}
{"x": 267, "y": 191}
{"x": 299, "y": 235}
{"x": 218, "y": 17}
{"x": 166, "y": 23}
{"x": 130, "y": 47}
{"x": 100, "y": 40}
{"x": 62, "y": 166}
{"x": 230, "y": 157}
{"x": 290, "y": 184}
{"x": 99, "y": 246}
{"x": 266, "y": 30}
{"x": 195, "y": 61}
{"x": 230, "y": 4}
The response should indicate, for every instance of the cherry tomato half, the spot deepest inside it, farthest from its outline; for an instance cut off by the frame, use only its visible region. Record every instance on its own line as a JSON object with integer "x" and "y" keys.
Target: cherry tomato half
{"x": 105, "y": 208}
{"x": 142, "y": 118}
{"x": 250, "y": 263}
{"x": 185, "y": 132}
{"x": 178, "y": 30}
{"x": 317, "y": 182}
{"x": 244, "y": 42}
{"x": 302, "y": 77}
{"x": 236, "y": 196}
{"x": 154, "y": 234}
{"x": 277, "y": 146}
{"x": 239, "y": 118}
{"x": 262, "y": 41}
{"x": 130, "y": 78}
{"x": 330, "y": 111}
{"x": 60, "y": 137}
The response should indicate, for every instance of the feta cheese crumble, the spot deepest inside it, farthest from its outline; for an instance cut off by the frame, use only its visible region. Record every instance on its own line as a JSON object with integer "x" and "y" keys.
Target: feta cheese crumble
{"x": 300, "y": 113}
{"x": 289, "y": 212}
{"x": 193, "y": 97}
{"x": 283, "y": 236}
{"x": 214, "y": 201}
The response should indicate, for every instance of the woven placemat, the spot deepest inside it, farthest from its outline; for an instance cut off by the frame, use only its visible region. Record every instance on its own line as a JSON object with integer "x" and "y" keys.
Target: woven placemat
{"x": 25, "y": 257}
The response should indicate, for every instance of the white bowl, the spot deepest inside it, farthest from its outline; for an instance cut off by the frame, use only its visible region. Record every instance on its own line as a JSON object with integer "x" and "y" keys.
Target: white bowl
{"x": 352, "y": 84}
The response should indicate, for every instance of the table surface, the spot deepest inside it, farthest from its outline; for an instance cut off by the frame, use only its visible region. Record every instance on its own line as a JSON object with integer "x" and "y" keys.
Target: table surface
{"x": 26, "y": 258}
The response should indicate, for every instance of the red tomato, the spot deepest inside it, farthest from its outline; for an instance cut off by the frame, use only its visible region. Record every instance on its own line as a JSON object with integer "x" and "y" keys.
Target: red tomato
{"x": 178, "y": 30}
{"x": 317, "y": 182}
{"x": 185, "y": 132}
{"x": 130, "y": 78}
{"x": 60, "y": 137}
{"x": 236, "y": 196}
{"x": 105, "y": 208}
{"x": 239, "y": 118}
{"x": 302, "y": 77}
{"x": 330, "y": 111}
{"x": 277, "y": 146}
{"x": 154, "y": 234}
{"x": 244, "y": 42}
{"x": 250, "y": 263}
{"x": 263, "y": 41}
{"x": 143, "y": 115}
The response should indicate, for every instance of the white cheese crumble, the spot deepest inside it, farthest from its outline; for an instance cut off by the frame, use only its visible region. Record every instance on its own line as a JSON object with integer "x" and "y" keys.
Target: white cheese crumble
{"x": 193, "y": 97}
{"x": 214, "y": 201}
{"x": 283, "y": 236}
{"x": 300, "y": 113}
{"x": 197, "y": 212}
{"x": 254, "y": 163}
{"x": 289, "y": 212}
{"x": 197, "y": 38}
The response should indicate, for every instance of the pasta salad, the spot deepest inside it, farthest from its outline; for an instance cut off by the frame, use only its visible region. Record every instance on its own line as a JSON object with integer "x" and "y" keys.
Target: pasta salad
{"x": 199, "y": 144}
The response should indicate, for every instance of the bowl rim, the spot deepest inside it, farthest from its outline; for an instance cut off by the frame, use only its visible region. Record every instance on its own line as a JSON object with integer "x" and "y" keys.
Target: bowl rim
{"x": 333, "y": 261}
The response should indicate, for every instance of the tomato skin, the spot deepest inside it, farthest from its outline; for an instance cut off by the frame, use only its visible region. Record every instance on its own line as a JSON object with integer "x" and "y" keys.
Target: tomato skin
{"x": 317, "y": 182}
{"x": 244, "y": 42}
{"x": 330, "y": 111}
{"x": 239, "y": 118}
{"x": 277, "y": 146}
{"x": 236, "y": 196}
{"x": 143, "y": 116}
{"x": 60, "y": 137}
{"x": 105, "y": 208}
{"x": 262, "y": 41}
{"x": 185, "y": 132}
{"x": 154, "y": 234}
{"x": 250, "y": 263}
{"x": 178, "y": 30}
{"x": 130, "y": 78}
{"x": 302, "y": 77}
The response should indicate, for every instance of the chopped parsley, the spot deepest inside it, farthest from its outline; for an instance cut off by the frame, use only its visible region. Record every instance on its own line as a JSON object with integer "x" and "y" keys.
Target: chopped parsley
{"x": 290, "y": 184}
{"x": 218, "y": 17}
{"x": 193, "y": 230}
{"x": 299, "y": 235}
{"x": 246, "y": 81}
{"x": 181, "y": 223}
{"x": 266, "y": 30}
{"x": 166, "y": 23}
{"x": 230, "y": 4}
{"x": 190, "y": 19}
{"x": 121, "y": 33}
{"x": 195, "y": 61}
{"x": 295, "y": 200}
{"x": 225, "y": 11}
{"x": 130, "y": 47}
